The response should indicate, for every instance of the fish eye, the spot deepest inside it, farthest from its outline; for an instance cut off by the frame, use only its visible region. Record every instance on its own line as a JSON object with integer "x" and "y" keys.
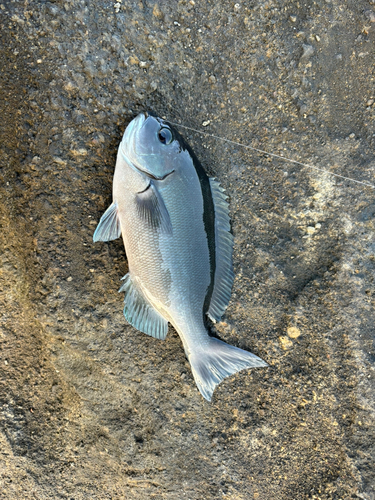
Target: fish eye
{"x": 165, "y": 136}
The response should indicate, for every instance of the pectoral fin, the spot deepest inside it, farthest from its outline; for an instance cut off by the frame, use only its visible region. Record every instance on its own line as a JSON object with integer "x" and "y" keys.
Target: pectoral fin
{"x": 109, "y": 225}
{"x": 139, "y": 312}
{"x": 151, "y": 208}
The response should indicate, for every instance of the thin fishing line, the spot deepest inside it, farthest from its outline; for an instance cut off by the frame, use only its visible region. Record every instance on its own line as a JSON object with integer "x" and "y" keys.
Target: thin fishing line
{"x": 275, "y": 155}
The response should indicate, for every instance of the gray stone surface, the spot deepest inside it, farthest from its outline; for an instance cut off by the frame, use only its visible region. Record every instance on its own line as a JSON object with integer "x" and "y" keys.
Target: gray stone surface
{"x": 91, "y": 408}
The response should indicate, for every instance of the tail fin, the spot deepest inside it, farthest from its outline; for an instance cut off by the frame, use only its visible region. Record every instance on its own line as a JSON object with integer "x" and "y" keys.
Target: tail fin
{"x": 217, "y": 361}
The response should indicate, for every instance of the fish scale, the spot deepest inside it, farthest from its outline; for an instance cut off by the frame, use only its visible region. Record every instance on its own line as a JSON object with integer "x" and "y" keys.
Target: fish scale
{"x": 175, "y": 225}
{"x": 186, "y": 251}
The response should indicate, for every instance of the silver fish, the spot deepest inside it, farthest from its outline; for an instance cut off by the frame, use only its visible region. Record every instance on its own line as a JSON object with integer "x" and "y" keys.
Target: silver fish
{"x": 176, "y": 230}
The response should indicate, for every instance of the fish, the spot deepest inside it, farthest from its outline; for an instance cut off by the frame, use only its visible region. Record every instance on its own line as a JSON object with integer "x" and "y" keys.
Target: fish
{"x": 175, "y": 225}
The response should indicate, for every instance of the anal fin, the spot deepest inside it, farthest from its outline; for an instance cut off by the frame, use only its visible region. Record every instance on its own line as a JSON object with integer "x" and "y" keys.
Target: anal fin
{"x": 139, "y": 312}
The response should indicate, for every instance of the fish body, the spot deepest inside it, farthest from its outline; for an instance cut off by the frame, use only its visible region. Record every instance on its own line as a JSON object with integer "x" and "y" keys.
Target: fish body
{"x": 176, "y": 230}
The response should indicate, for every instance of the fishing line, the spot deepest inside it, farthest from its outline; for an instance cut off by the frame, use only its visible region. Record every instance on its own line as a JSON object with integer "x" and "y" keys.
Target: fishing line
{"x": 367, "y": 184}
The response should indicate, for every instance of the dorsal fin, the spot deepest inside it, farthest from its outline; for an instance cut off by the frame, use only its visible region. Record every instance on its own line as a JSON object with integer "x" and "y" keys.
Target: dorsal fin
{"x": 223, "y": 251}
{"x": 139, "y": 312}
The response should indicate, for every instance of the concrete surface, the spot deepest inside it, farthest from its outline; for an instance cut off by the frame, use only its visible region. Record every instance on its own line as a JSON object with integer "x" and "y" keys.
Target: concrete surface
{"x": 91, "y": 408}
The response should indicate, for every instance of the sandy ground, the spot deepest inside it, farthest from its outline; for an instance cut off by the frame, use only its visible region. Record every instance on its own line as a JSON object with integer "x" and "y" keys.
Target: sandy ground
{"x": 93, "y": 409}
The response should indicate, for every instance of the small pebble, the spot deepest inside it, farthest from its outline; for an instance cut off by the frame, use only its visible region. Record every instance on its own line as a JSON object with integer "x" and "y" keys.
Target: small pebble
{"x": 285, "y": 342}
{"x": 79, "y": 152}
{"x": 59, "y": 160}
{"x": 157, "y": 12}
{"x": 308, "y": 51}
{"x": 293, "y": 332}
{"x": 370, "y": 15}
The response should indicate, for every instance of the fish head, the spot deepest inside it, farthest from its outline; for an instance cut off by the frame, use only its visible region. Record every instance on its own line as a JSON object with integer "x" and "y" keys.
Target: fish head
{"x": 150, "y": 145}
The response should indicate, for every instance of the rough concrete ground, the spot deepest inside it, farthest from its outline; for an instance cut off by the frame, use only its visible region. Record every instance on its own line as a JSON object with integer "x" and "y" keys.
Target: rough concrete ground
{"x": 91, "y": 408}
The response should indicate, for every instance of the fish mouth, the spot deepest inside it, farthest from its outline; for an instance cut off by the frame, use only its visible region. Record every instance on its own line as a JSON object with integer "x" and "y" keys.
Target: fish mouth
{"x": 151, "y": 176}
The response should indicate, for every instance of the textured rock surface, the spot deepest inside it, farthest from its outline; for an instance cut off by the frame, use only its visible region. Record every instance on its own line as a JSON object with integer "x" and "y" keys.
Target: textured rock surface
{"x": 91, "y": 408}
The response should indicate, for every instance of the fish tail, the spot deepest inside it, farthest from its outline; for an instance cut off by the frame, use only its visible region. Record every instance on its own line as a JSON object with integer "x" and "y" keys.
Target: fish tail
{"x": 218, "y": 361}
